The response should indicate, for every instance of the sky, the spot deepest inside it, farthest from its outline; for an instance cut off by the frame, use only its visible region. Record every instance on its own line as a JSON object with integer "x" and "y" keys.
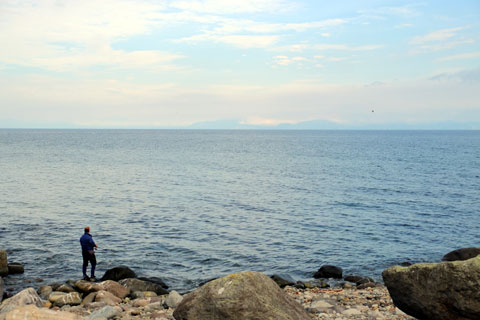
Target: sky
{"x": 177, "y": 63}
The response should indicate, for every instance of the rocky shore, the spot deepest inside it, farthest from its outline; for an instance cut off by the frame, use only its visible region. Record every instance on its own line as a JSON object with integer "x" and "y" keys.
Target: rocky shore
{"x": 120, "y": 294}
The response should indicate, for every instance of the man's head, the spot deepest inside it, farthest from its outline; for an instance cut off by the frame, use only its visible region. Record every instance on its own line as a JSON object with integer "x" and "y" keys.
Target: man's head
{"x": 87, "y": 229}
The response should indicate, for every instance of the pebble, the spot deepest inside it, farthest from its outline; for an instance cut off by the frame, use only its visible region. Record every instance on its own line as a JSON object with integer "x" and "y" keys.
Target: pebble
{"x": 348, "y": 303}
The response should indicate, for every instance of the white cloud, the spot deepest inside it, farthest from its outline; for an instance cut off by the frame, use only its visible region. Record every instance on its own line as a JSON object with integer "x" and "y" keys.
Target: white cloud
{"x": 439, "y": 35}
{"x": 239, "y": 41}
{"x": 440, "y": 40}
{"x": 461, "y": 56}
{"x": 232, "y": 6}
{"x": 68, "y": 35}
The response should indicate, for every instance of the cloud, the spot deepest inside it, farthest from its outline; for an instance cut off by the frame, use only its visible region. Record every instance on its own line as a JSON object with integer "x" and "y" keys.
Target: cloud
{"x": 285, "y": 60}
{"x": 233, "y": 6}
{"x": 461, "y": 56}
{"x": 68, "y": 35}
{"x": 440, "y": 40}
{"x": 239, "y": 41}
{"x": 439, "y": 35}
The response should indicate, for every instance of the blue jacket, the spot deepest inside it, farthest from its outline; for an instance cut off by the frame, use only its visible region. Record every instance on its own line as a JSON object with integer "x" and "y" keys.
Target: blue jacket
{"x": 87, "y": 242}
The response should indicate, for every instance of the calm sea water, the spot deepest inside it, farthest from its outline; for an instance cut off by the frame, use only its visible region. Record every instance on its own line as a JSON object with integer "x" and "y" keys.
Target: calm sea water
{"x": 187, "y": 206}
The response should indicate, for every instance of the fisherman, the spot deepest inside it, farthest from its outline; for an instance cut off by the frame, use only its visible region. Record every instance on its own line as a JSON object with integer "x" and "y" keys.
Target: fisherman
{"x": 88, "y": 254}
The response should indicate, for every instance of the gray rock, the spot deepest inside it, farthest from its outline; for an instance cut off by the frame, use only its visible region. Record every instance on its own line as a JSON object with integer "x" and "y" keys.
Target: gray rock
{"x": 141, "y": 285}
{"x": 106, "y": 312}
{"x": 173, "y": 299}
{"x": 329, "y": 271}
{"x": 246, "y": 295}
{"x": 461, "y": 254}
{"x": 3, "y": 263}
{"x": 119, "y": 273}
{"x": 142, "y": 294}
{"x": 441, "y": 291}
{"x": 283, "y": 280}
{"x": 15, "y": 268}
{"x": 24, "y": 297}
{"x": 44, "y": 292}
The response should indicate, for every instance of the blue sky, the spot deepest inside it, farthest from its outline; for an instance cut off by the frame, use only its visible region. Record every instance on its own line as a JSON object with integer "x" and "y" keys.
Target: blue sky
{"x": 145, "y": 63}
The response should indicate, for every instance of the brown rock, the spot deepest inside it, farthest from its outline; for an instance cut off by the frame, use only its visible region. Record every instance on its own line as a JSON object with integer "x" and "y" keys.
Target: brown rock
{"x": 113, "y": 287}
{"x": 35, "y": 313}
{"x": 246, "y": 295}
{"x": 107, "y": 297}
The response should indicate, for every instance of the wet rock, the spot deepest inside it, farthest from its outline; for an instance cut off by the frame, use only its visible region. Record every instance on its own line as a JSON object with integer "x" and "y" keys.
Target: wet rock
{"x": 461, "y": 254}
{"x": 3, "y": 263}
{"x": 316, "y": 284}
{"x": 328, "y": 271}
{"x": 283, "y": 280}
{"x": 106, "y": 312}
{"x": 107, "y": 297}
{"x": 443, "y": 291}
{"x": 154, "y": 280}
{"x": 246, "y": 295}
{"x": 44, "y": 292}
{"x": 24, "y": 297}
{"x": 119, "y": 273}
{"x": 33, "y": 312}
{"x": 1, "y": 288}
{"x": 15, "y": 268}
{"x": 142, "y": 285}
{"x": 173, "y": 299}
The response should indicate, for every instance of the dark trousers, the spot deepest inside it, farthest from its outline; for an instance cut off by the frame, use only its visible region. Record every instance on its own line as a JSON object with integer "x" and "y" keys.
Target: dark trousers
{"x": 89, "y": 256}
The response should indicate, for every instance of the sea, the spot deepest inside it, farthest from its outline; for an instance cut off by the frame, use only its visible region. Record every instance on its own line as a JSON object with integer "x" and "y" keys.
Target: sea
{"x": 191, "y": 205}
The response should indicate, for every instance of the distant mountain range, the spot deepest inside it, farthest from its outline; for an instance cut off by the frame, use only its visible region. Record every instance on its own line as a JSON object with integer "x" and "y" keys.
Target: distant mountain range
{"x": 328, "y": 125}
{"x": 234, "y": 124}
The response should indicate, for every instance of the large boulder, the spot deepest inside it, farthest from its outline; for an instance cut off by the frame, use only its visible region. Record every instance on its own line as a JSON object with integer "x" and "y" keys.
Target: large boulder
{"x": 441, "y": 291}
{"x": 329, "y": 271}
{"x": 3, "y": 263}
{"x": 141, "y": 285}
{"x": 34, "y": 313}
{"x": 24, "y": 297}
{"x": 119, "y": 273}
{"x": 246, "y": 295}
{"x": 461, "y": 254}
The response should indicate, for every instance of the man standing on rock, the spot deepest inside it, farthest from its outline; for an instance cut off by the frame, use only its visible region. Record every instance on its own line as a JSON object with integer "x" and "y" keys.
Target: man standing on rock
{"x": 88, "y": 254}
